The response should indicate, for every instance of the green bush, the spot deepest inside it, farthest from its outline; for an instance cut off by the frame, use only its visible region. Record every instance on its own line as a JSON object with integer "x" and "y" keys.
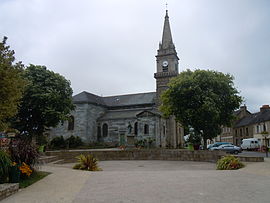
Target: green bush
{"x": 87, "y": 162}
{"x": 5, "y": 164}
{"x": 74, "y": 142}
{"x": 58, "y": 143}
{"x": 229, "y": 163}
{"x": 100, "y": 145}
{"x": 61, "y": 143}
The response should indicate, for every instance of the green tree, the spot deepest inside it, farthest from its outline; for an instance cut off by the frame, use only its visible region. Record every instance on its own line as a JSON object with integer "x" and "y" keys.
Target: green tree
{"x": 11, "y": 84}
{"x": 203, "y": 99}
{"x": 47, "y": 100}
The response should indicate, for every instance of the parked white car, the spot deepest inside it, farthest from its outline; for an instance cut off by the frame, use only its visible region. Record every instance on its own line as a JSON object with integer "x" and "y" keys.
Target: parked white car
{"x": 229, "y": 148}
{"x": 250, "y": 144}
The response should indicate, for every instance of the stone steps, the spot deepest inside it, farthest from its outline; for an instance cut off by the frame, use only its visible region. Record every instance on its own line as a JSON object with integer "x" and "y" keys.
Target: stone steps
{"x": 8, "y": 189}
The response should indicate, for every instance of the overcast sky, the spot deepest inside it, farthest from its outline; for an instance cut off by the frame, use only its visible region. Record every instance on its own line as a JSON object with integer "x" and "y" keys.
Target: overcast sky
{"x": 108, "y": 47}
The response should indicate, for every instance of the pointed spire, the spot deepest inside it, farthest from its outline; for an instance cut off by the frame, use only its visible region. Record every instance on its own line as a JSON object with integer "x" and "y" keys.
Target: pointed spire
{"x": 167, "y": 35}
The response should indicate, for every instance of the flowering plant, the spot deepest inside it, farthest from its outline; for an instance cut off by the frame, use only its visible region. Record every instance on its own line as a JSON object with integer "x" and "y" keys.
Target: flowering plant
{"x": 25, "y": 169}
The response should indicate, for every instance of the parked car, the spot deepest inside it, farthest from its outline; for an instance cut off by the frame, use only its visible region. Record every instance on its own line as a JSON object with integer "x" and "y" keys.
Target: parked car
{"x": 229, "y": 148}
{"x": 216, "y": 144}
{"x": 250, "y": 144}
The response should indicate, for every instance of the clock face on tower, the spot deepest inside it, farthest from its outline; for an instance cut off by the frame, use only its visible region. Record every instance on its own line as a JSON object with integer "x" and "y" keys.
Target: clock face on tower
{"x": 165, "y": 63}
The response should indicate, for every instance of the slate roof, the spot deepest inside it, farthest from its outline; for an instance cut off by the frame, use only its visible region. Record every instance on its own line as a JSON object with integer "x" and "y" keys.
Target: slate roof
{"x": 254, "y": 118}
{"x": 119, "y": 100}
{"x": 122, "y": 114}
{"x": 130, "y": 99}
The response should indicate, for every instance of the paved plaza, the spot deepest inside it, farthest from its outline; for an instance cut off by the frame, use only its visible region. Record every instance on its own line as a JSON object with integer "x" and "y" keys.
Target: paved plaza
{"x": 150, "y": 181}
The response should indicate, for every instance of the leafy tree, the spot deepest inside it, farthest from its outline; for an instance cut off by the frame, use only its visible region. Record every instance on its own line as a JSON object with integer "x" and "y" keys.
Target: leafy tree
{"x": 11, "y": 84}
{"x": 203, "y": 99}
{"x": 47, "y": 100}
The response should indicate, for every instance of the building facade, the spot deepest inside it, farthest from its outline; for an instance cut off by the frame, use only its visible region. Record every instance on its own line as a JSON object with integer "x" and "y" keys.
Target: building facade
{"x": 248, "y": 125}
{"x": 129, "y": 119}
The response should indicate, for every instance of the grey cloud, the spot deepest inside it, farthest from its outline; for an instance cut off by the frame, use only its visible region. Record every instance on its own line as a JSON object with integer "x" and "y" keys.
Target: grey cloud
{"x": 108, "y": 47}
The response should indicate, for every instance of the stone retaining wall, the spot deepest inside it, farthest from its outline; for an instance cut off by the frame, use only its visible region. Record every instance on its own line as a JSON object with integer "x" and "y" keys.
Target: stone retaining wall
{"x": 142, "y": 154}
{"x": 8, "y": 189}
{"x": 250, "y": 159}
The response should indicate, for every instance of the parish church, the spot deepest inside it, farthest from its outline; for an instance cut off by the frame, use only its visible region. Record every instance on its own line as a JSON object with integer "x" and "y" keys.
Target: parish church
{"x": 125, "y": 120}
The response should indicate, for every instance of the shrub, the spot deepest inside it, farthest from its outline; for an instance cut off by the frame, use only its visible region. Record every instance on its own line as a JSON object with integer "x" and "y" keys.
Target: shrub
{"x": 41, "y": 139}
{"x": 101, "y": 145}
{"x": 23, "y": 150}
{"x": 87, "y": 162}
{"x": 58, "y": 143}
{"x": 5, "y": 164}
{"x": 74, "y": 142}
{"x": 229, "y": 163}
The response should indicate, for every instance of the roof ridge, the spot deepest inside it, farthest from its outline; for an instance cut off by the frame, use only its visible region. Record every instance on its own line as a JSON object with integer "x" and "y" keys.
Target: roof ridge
{"x": 90, "y": 93}
{"x": 129, "y": 94}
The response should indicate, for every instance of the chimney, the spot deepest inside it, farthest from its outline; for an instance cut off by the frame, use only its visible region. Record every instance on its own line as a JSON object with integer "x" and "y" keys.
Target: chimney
{"x": 264, "y": 108}
{"x": 243, "y": 111}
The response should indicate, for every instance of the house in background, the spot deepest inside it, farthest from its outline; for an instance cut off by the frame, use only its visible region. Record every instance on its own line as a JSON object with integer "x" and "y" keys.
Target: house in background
{"x": 247, "y": 125}
{"x": 228, "y": 134}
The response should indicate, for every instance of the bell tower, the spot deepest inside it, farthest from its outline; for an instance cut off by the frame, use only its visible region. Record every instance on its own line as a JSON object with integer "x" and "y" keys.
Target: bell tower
{"x": 166, "y": 59}
{"x": 167, "y": 68}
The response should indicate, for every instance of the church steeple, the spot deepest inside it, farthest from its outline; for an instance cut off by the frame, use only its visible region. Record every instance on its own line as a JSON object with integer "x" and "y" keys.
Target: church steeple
{"x": 166, "y": 46}
{"x": 167, "y": 60}
{"x": 167, "y": 35}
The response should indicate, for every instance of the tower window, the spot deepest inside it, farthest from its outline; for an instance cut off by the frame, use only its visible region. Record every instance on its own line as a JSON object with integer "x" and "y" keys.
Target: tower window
{"x": 71, "y": 123}
{"x": 176, "y": 67}
{"x": 146, "y": 129}
{"x": 105, "y": 130}
{"x": 165, "y": 69}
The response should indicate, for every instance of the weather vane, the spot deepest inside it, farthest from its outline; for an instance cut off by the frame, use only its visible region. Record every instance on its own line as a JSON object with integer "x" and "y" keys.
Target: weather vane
{"x": 166, "y": 6}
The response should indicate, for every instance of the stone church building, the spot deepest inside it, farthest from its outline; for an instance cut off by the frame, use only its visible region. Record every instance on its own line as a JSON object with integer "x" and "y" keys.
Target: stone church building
{"x": 127, "y": 119}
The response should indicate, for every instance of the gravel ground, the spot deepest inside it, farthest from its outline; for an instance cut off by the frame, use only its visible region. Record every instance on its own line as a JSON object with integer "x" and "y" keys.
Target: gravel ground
{"x": 150, "y": 181}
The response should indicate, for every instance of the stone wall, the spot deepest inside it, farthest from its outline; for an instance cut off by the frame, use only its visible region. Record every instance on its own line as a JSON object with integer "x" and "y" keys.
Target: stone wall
{"x": 141, "y": 154}
{"x": 85, "y": 116}
{"x": 119, "y": 129}
{"x": 250, "y": 159}
{"x": 8, "y": 189}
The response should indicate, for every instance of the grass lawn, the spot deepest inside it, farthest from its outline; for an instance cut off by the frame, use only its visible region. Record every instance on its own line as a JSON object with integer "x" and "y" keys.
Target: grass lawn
{"x": 34, "y": 177}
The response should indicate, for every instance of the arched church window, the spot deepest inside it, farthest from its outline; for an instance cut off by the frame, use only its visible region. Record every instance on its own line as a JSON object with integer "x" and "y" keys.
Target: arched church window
{"x": 71, "y": 123}
{"x": 136, "y": 128}
{"x": 146, "y": 129}
{"x": 105, "y": 130}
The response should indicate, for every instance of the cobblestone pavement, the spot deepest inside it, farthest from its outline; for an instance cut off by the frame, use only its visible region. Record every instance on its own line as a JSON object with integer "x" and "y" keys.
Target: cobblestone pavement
{"x": 150, "y": 181}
